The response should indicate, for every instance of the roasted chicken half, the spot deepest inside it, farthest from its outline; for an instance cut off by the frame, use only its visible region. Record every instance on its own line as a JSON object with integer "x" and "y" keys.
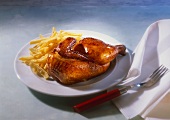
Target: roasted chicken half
{"x": 72, "y": 62}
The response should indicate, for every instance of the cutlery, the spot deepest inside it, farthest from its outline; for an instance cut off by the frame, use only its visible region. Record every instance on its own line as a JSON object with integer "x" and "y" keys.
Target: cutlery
{"x": 150, "y": 81}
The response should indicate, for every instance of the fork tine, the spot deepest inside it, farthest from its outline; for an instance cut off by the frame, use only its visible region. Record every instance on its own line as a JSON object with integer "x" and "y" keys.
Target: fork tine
{"x": 159, "y": 72}
{"x": 156, "y": 71}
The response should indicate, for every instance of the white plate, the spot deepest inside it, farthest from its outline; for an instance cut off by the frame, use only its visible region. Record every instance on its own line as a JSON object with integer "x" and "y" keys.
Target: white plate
{"x": 113, "y": 76}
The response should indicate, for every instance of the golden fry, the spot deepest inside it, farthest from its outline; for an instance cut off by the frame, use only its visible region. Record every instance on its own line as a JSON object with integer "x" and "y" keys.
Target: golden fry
{"x": 26, "y": 58}
{"x": 41, "y": 49}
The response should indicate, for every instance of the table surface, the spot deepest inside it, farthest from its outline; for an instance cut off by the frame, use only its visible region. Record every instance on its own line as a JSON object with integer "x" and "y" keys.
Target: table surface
{"x": 24, "y": 20}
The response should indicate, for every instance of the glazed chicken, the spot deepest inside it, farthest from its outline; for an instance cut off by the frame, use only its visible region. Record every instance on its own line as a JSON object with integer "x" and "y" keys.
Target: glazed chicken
{"x": 72, "y": 62}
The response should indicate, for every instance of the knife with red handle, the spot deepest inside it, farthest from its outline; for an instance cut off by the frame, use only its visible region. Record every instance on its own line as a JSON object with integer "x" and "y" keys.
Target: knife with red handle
{"x": 99, "y": 99}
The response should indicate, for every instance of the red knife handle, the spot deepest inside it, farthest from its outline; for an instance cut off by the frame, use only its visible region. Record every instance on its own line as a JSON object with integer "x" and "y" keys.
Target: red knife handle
{"x": 97, "y": 100}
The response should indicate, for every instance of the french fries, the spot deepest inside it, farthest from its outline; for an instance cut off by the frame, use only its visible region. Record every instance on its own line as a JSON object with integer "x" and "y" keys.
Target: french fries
{"x": 42, "y": 47}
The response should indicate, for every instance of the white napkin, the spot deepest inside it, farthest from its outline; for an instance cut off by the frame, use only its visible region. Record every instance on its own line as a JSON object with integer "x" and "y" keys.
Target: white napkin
{"x": 152, "y": 51}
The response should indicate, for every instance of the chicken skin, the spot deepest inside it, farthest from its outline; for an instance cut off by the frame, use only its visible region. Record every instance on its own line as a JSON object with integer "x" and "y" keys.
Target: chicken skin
{"x": 71, "y": 59}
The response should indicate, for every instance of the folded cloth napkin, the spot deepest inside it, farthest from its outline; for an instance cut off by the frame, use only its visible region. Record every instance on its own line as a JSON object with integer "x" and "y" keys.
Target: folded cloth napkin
{"x": 152, "y": 51}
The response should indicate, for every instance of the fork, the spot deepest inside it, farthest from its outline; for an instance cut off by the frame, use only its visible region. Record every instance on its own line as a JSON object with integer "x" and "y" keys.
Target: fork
{"x": 150, "y": 81}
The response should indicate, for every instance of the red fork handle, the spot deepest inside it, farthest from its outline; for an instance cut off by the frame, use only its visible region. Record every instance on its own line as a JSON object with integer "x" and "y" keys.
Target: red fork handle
{"x": 96, "y": 100}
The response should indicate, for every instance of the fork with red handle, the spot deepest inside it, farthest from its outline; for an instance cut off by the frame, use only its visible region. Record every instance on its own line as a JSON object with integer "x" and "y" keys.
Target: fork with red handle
{"x": 151, "y": 80}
